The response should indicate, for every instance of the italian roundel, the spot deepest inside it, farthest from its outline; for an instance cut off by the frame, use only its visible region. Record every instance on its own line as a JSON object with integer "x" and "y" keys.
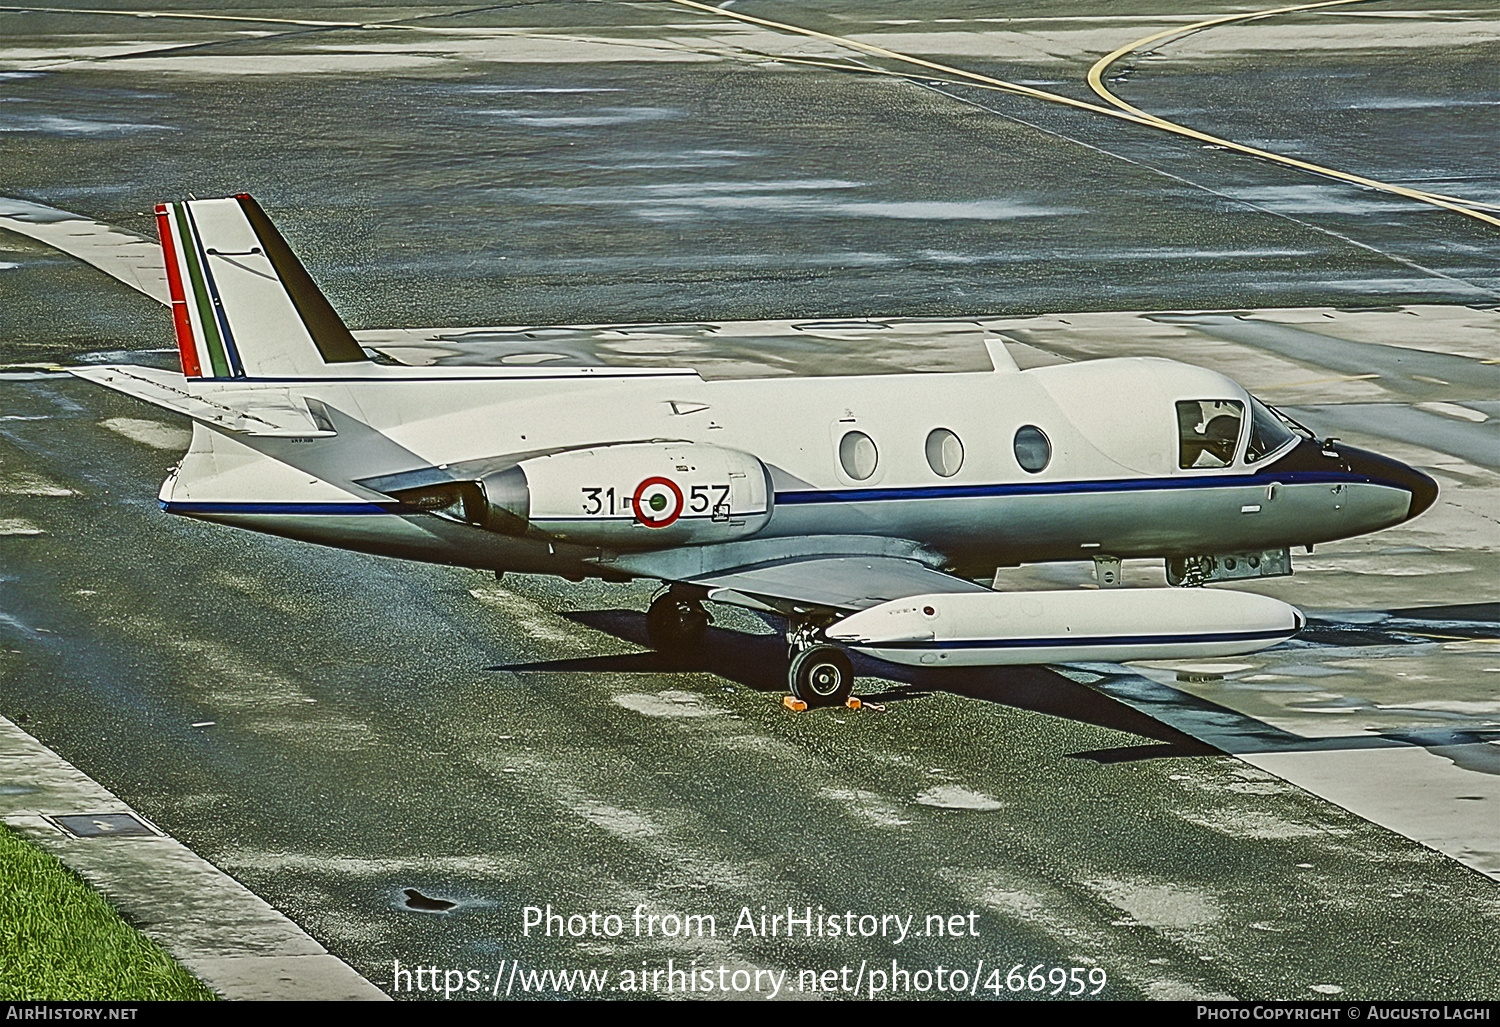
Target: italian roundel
{"x": 657, "y": 502}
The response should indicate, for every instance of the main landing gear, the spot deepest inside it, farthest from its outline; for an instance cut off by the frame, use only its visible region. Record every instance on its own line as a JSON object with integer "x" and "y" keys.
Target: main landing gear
{"x": 676, "y": 622}
{"x": 819, "y": 674}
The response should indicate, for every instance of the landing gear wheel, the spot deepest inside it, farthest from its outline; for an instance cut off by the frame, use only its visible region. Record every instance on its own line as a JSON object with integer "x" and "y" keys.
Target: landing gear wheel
{"x": 821, "y": 675}
{"x": 675, "y": 623}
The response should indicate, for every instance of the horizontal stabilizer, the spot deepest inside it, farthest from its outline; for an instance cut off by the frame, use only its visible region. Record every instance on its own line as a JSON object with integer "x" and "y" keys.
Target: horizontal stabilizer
{"x": 268, "y": 412}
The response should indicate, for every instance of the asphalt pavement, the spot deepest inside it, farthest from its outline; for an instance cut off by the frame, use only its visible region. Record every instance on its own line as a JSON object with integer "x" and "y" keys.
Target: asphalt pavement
{"x": 413, "y": 763}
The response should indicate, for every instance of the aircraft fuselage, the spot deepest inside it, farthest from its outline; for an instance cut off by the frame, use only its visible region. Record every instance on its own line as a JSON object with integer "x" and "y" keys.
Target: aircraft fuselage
{"x": 936, "y": 458}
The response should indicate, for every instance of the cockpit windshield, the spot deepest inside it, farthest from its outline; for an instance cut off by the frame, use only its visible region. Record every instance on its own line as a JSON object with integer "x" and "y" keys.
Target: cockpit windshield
{"x": 1207, "y": 431}
{"x": 1269, "y": 432}
{"x": 1292, "y": 423}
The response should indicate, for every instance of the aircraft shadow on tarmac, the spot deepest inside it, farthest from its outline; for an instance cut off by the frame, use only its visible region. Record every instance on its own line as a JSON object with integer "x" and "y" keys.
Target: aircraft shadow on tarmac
{"x": 1230, "y": 731}
{"x": 758, "y": 662}
{"x": 1467, "y": 622}
{"x": 1120, "y": 700}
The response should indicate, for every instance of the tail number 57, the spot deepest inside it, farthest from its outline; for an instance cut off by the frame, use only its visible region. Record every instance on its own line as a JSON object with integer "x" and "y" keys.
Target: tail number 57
{"x": 702, "y": 498}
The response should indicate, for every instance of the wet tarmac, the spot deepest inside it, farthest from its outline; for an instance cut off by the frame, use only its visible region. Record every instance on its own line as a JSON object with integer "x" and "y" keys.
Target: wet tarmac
{"x": 364, "y": 742}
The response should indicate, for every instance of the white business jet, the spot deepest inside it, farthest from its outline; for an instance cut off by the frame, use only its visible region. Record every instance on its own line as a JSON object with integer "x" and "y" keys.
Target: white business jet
{"x": 861, "y": 509}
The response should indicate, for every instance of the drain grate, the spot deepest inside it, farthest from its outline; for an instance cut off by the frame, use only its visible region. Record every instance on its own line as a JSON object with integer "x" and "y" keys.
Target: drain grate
{"x": 101, "y": 825}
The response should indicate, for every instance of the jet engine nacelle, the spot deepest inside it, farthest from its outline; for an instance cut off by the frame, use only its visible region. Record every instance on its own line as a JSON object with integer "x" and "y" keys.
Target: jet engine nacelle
{"x": 638, "y": 495}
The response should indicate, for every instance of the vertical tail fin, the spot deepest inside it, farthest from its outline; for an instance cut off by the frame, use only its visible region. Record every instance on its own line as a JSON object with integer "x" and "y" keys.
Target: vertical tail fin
{"x": 242, "y": 304}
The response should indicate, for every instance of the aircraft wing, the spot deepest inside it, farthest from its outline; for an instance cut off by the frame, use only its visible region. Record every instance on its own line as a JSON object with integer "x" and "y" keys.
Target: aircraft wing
{"x": 132, "y": 259}
{"x": 716, "y": 349}
{"x": 891, "y": 601}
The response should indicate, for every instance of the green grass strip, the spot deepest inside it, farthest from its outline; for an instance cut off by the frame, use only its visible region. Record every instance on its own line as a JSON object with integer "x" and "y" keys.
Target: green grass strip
{"x": 61, "y": 941}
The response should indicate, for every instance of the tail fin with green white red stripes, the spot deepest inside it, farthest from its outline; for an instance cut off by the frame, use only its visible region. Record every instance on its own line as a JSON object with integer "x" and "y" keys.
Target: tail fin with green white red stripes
{"x": 242, "y": 304}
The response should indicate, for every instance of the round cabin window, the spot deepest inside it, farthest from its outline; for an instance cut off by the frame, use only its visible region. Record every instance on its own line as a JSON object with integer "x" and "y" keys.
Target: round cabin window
{"x": 945, "y": 453}
{"x": 858, "y": 455}
{"x": 1033, "y": 451}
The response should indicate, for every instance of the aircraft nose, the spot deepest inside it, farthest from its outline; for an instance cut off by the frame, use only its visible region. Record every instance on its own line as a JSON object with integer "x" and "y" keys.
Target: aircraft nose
{"x": 1423, "y": 490}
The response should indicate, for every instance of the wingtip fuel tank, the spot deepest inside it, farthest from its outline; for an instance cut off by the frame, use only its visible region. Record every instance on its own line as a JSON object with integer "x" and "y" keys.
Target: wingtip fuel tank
{"x": 1108, "y": 625}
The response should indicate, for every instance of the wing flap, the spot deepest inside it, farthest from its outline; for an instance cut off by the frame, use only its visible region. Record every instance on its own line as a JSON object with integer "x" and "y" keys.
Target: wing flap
{"x": 836, "y": 582}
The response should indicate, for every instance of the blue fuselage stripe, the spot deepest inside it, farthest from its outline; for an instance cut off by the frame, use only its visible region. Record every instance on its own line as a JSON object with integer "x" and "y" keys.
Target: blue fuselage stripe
{"x": 811, "y": 497}
{"x": 1049, "y": 488}
{"x": 289, "y": 509}
{"x": 1069, "y": 641}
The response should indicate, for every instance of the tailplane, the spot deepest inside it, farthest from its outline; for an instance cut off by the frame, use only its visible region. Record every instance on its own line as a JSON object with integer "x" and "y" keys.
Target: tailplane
{"x": 243, "y": 306}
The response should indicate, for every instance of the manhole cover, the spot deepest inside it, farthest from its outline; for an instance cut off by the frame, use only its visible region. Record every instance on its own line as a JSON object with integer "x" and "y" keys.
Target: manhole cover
{"x": 99, "y": 825}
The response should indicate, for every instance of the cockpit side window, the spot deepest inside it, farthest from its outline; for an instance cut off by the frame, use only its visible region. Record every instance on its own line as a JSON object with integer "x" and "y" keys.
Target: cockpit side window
{"x": 1268, "y": 433}
{"x": 1207, "y": 431}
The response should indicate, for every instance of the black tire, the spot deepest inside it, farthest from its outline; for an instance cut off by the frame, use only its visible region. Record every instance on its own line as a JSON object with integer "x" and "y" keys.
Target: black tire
{"x": 675, "y": 624}
{"x": 821, "y": 675}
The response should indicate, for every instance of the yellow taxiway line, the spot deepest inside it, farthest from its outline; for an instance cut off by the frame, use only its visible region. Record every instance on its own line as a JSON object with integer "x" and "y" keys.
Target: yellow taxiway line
{"x": 1318, "y": 381}
{"x": 1095, "y": 76}
{"x": 944, "y": 69}
{"x": 1120, "y": 108}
